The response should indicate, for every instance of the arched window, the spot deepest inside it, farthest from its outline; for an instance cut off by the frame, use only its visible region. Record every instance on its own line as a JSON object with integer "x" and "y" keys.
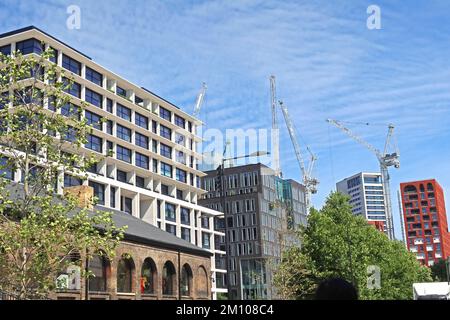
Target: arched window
{"x": 98, "y": 266}
{"x": 410, "y": 188}
{"x": 186, "y": 280}
{"x": 430, "y": 187}
{"x": 168, "y": 279}
{"x": 148, "y": 276}
{"x": 202, "y": 282}
{"x": 125, "y": 275}
{"x": 422, "y": 188}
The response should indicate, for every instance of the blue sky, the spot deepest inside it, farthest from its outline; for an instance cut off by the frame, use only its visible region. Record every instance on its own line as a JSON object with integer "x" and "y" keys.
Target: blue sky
{"x": 327, "y": 63}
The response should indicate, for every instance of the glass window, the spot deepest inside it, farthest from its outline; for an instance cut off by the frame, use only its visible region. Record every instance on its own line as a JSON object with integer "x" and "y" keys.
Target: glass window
{"x": 126, "y": 205}
{"x": 109, "y": 127}
{"x": 93, "y": 98}
{"x": 168, "y": 278}
{"x": 93, "y": 120}
{"x": 138, "y": 101}
{"x": 99, "y": 191}
{"x": 109, "y": 105}
{"x": 186, "y": 281}
{"x": 186, "y": 234}
{"x": 5, "y": 169}
{"x": 123, "y": 154}
{"x": 74, "y": 89}
{"x": 71, "y": 64}
{"x": 94, "y": 76}
{"x": 164, "y": 189}
{"x": 94, "y": 143}
{"x": 166, "y": 170}
{"x": 179, "y": 121}
{"x": 165, "y": 150}
{"x": 180, "y": 157}
{"x": 140, "y": 182}
{"x": 70, "y": 134}
{"x": 123, "y": 112}
{"x": 170, "y": 212}
{"x": 154, "y": 126}
{"x": 112, "y": 197}
{"x": 121, "y": 92}
{"x": 141, "y": 140}
{"x": 185, "y": 216}
{"x": 155, "y": 146}
{"x": 170, "y": 228}
{"x": 97, "y": 265}
{"x": 54, "y": 56}
{"x": 30, "y": 46}
{"x": 124, "y": 275}
{"x": 205, "y": 240}
{"x": 181, "y": 175}
{"x": 180, "y": 139}
{"x": 140, "y": 120}
{"x": 6, "y": 50}
{"x": 148, "y": 277}
{"x": 142, "y": 161}
{"x": 121, "y": 176}
{"x": 205, "y": 222}
{"x": 70, "y": 110}
{"x": 165, "y": 114}
{"x": 165, "y": 132}
{"x": 123, "y": 133}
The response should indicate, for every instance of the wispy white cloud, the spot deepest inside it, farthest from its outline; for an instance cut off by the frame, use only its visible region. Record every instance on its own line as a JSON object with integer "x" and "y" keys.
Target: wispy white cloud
{"x": 327, "y": 63}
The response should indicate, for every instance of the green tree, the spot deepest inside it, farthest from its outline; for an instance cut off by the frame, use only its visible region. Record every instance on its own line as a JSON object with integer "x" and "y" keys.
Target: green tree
{"x": 41, "y": 135}
{"x": 336, "y": 243}
{"x": 439, "y": 271}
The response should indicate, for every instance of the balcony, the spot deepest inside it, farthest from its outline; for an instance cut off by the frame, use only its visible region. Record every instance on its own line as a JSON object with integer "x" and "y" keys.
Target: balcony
{"x": 420, "y": 256}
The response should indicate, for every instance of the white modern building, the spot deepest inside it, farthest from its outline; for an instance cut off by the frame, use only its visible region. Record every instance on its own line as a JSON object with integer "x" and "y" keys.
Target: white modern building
{"x": 366, "y": 196}
{"x": 149, "y": 167}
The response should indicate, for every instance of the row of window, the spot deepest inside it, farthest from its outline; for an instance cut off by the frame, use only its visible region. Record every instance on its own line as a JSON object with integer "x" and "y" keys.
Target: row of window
{"x": 35, "y": 46}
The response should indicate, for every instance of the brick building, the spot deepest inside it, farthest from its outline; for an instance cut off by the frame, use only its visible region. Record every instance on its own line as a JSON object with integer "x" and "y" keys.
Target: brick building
{"x": 425, "y": 220}
{"x": 149, "y": 264}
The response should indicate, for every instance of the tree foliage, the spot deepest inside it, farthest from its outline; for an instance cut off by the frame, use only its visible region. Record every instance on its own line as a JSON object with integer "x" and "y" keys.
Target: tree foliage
{"x": 42, "y": 132}
{"x": 336, "y": 243}
{"x": 439, "y": 271}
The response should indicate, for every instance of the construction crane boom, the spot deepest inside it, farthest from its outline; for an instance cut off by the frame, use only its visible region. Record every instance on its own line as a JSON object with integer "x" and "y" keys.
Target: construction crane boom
{"x": 200, "y": 98}
{"x": 386, "y": 160}
{"x": 309, "y": 182}
{"x": 275, "y": 131}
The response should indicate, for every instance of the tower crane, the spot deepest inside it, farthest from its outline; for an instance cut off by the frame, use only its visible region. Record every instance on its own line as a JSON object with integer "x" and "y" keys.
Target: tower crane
{"x": 199, "y": 102}
{"x": 386, "y": 160}
{"x": 309, "y": 181}
{"x": 275, "y": 130}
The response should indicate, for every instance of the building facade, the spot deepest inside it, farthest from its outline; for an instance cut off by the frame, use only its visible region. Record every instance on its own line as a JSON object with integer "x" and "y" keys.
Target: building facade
{"x": 425, "y": 220}
{"x": 366, "y": 197}
{"x": 149, "y": 264}
{"x": 261, "y": 212}
{"x": 149, "y": 167}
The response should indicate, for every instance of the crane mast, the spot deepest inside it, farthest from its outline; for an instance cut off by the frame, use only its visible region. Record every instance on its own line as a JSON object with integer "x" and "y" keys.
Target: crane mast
{"x": 309, "y": 182}
{"x": 275, "y": 131}
{"x": 199, "y": 102}
{"x": 386, "y": 160}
